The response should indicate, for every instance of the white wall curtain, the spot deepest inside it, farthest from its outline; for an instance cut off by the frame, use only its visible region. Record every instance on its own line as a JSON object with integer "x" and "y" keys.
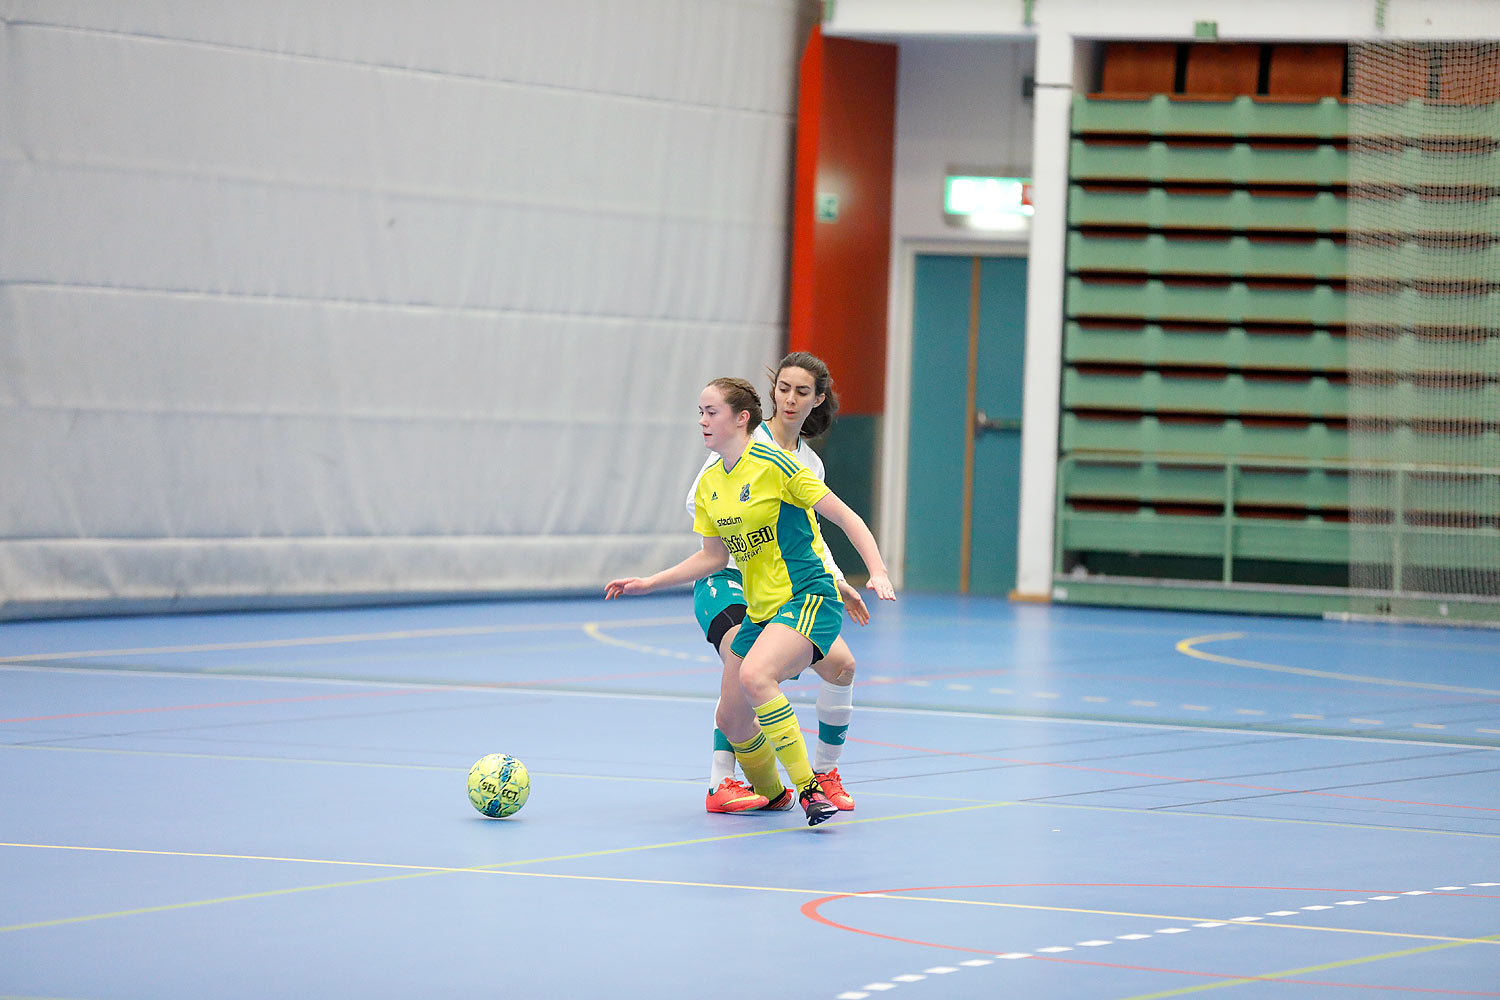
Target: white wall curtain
{"x": 331, "y": 301}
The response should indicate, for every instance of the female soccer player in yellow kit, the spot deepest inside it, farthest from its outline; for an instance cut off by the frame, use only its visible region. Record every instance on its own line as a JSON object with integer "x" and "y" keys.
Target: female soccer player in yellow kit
{"x": 754, "y": 504}
{"x": 803, "y": 405}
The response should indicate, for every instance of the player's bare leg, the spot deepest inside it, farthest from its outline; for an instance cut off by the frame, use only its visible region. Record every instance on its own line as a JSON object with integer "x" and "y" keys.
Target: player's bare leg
{"x": 780, "y": 653}
{"x": 735, "y": 719}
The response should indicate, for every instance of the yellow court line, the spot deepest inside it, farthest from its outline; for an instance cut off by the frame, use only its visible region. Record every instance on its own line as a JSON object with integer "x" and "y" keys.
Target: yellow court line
{"x": 167, "y": 907}
{"x": 1187, "y": 647}
{"x": 334, "y": 640}
{"x": 1288, "y": 973}
{"x": 421, "y": 871}
{"x": 593, "y": 631}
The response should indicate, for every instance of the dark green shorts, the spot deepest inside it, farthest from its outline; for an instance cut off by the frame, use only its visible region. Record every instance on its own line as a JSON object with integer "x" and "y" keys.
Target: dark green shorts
{"x": 816, "y": 616}
{"x": 715, "y": 595}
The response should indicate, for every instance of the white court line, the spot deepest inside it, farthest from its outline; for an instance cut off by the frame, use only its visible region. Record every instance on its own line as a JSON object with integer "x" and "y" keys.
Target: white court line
{"x": 334, "y": 640}
{"x": 538, "y": 689}
{"x": 1101, "y": 942}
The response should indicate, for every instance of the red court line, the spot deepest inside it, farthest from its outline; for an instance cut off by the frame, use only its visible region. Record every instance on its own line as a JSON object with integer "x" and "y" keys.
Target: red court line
{"x": 1169, "y": 777}
{"x": 812, "y": 908}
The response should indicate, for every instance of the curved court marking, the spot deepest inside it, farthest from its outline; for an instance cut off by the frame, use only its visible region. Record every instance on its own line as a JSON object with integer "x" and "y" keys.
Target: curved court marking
{"x": 812, "y": 910}
{"x": 1382, "y": 640}
{"x": 594, "y": 630}
{"x": 1188, "y": 647}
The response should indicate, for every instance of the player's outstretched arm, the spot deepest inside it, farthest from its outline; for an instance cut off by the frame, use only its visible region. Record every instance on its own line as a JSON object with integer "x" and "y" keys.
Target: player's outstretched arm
{"x": 859, "y": 534}
{"x": 854, "y": 602}
{"x": 711, "y": 558}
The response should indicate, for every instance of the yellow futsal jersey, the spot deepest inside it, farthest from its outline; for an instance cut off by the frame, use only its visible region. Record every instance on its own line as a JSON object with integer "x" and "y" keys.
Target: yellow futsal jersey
{"x": 762, "y": 510}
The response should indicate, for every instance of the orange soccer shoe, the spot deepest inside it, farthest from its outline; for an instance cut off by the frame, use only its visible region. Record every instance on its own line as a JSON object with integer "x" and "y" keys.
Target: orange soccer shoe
{"x": 733, "y": 796}
{"x": 833, "y": 787}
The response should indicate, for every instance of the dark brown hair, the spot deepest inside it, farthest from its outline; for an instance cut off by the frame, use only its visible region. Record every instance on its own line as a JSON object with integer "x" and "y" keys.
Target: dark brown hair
{"x": 821, "y": 418}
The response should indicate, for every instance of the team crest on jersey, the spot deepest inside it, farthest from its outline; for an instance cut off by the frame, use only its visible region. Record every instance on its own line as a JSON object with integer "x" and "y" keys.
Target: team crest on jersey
{"x": 715, "y": 495}
{"x": 745, "y": 493}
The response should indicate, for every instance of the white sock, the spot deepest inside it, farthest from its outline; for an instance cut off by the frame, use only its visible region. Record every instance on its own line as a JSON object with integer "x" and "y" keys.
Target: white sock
{"x": 722, "y": 765}
{"x": 835, "y": 708}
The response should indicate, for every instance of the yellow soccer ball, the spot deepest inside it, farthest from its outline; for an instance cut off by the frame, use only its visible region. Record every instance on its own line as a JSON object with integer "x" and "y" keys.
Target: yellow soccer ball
{"x": 498, "y": 785}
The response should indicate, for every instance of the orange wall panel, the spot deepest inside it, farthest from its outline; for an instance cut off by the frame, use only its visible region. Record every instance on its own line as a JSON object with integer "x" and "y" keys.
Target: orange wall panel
{"x": 840, "y": 268}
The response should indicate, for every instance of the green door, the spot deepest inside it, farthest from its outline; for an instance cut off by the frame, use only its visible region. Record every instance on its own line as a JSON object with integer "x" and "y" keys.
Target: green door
{"x": 964, "y": 452}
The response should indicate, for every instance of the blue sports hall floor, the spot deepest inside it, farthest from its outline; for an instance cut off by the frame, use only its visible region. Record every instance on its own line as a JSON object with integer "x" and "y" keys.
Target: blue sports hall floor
{"x": 1052, "y": 802}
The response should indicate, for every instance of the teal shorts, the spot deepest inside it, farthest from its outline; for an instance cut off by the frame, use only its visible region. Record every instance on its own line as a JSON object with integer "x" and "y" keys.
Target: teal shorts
{"x": 817, "y": 616}
{"x": 720, "y": 593}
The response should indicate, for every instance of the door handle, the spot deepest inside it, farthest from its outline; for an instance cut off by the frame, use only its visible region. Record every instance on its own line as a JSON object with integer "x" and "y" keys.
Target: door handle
{"x": 982, "y": 423}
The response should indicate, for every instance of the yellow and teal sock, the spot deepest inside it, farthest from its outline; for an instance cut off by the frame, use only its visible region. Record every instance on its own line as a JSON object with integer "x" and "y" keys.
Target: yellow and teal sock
{"x": 779, "y": 724}
{"x": 758, "y": 761}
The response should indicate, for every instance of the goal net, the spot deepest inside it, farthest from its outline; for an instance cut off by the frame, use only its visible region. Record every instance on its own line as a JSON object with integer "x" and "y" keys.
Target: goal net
{"x": 1424, "y": 329}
